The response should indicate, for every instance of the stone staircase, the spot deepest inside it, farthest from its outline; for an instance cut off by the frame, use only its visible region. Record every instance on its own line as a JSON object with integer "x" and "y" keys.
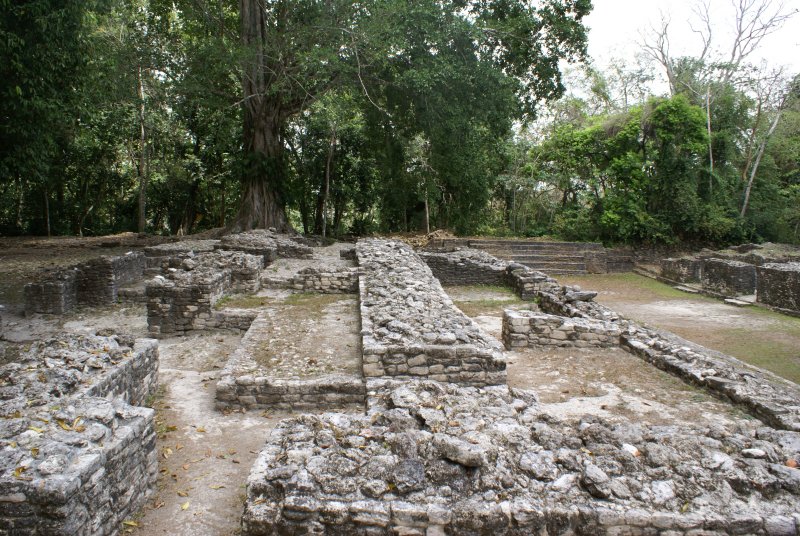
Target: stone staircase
{"x": 562, "y": 258}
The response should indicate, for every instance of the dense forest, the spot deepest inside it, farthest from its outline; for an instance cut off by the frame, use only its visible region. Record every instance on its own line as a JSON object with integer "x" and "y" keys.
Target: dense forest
{"x": 339, "y": 118}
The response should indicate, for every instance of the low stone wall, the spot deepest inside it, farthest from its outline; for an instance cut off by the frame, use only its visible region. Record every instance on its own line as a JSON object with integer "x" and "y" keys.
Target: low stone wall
{"x": 53, "y": 293}
{"x": 434, "y": 459}
{"x": 530, "y": 328}
{"x": 77, "y": 457}
{"x": 410, "y": 327}
{"x": 465, "y": 267}
{"x": 762, "y": 394}
{"x": 310, "y": 279}
{"x": 183, "y": 300}
{"x": 265, "y": 243}
{"x": 243, "y": 383}
{"x": 95, "y": 282}
{"x": 779, "y": 286}
{"x": 682, "y": 269}
{"x": 98, "y": 280}
{"x": 527, "y": 283}
{"x": 729, "y": 278}
{"x": 158, "y": 259}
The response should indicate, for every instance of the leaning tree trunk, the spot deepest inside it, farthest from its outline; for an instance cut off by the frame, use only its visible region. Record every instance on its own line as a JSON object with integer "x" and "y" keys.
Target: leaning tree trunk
{"x": 261, "y": 204}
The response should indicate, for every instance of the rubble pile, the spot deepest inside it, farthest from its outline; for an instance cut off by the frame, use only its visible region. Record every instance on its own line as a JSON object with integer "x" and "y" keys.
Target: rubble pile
{"x": 78, "y": 453}
{"x": 410, "y": 326}
{"x": 434, "y": 458}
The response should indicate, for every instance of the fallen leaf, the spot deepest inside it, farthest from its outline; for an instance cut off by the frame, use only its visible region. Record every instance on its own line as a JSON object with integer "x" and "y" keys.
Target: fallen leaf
{"x": 201, "y": 429}
{"x": 183, "y": 494}
{"x": 130, "y": 523}
{"x": 791, "y": 462}
{"x": 185, "y": 506}
{"x": 64, "y": 425}
{"x": 35, "y": 451}
{"x": 185, "y": 466}
{"x": 178, "y": 446}
{"x": 216, "y": 486}
{"x": 35, "y": 429}
{"x": 166, "y": 452}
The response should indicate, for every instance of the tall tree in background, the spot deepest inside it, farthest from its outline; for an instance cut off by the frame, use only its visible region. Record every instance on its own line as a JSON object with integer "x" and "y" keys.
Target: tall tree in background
{"x": 298, "y": 50}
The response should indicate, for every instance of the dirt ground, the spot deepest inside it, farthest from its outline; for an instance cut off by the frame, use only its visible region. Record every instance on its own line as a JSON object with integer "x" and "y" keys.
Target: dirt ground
{"x": 753, "y": 334}
{"x": 205, "y": 455}
{"x": 611, "y": 383}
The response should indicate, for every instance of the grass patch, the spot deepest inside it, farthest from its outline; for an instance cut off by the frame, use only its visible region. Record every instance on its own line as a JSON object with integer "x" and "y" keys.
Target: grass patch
{"x": 242, "y": 301}
{"x": 475, "y": 300}
{"x": 766, "y": 350}
{"x": 314, "y": 300}
{"x": 631, "y": 286}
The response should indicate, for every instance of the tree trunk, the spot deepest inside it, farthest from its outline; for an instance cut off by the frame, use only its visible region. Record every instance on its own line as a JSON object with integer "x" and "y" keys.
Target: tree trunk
{"x": 143, "y": 167}
{"x": 327, "y": 191}
{"x": 261, "y": 204}
{"x": 754, "y": 169}
{"x": 47, "y": 210}
{"x": 710, "y": 151}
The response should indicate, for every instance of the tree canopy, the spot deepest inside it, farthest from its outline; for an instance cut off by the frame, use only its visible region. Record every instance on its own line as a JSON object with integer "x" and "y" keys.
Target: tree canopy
{"x": 335, "y": 117}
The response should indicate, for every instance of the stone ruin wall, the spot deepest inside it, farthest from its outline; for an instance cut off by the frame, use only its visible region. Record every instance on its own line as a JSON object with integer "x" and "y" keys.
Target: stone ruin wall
{"x": 779, "y": 286}
{"x": 245, "y": 384}
{"x": 729, "y": 278}
{"x": 432, "y": 459}
{"x": 410, "y": 327}
{"x": 568, "y": 316}
{"x": 682, "y": 269}
{"x": 465, "y": 267}
{"x": 775, "y": 284}
{"x": 523, "y": 329}
{"x": 323, "y": 281}
{"x": 183, "y": 299}
{"x": 79, "y": 454}
{"x": 95, "y": 282}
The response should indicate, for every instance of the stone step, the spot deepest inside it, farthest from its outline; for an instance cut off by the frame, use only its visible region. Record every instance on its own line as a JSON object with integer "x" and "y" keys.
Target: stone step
{"x": 568, "y": 264}
{"x": 689, "y": 290}
{"x": 643, "y": 271}
{"x": 548, "y": 258}
{"x": 737, "y": 303}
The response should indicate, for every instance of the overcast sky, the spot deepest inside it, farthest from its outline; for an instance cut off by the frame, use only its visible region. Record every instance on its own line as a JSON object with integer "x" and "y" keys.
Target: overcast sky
{"x": 615, "y": 27}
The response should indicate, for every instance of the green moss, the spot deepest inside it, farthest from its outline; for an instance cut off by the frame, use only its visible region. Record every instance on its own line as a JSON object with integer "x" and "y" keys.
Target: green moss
{"x": 488, "y": 299}
{"x": 314, "y": 300}
{"x": 242, "y": 301}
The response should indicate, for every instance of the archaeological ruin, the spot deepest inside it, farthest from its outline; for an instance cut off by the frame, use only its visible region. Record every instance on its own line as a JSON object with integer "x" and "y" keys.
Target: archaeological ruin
{"x": 409, "y": 426}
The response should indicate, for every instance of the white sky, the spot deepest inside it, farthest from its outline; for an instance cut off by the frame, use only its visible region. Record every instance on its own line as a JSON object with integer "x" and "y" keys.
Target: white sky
{"x": 615, "y": 27}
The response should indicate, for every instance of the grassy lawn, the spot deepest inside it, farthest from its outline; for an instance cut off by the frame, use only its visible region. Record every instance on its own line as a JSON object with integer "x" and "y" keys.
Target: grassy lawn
{"x": 753, "y": 334}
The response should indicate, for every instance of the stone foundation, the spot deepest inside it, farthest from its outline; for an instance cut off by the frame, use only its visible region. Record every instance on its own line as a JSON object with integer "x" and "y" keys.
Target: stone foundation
{"x": 729, "y": 278}
{"x": 530, "y": 328}
{"x": 78, "y": 457}
{"x": 779, "y": 286}
{"x": 325, "y": 281}
{"x": 184, "y": 299}
{"x": 95, "y": 282}
{"x": 54, "y": 293}
{"x": 410, "y": 327}
{"x": 265, "y": 243}
{"x": 243, "y": 383}
{"x": 465, "y": 267}
{"x": 682, "y": 270}
{"x": 435, "y": 459}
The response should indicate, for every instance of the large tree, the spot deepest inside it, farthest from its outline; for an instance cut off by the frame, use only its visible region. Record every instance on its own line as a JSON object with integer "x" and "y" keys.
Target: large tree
{"x": 296, "y": 51}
